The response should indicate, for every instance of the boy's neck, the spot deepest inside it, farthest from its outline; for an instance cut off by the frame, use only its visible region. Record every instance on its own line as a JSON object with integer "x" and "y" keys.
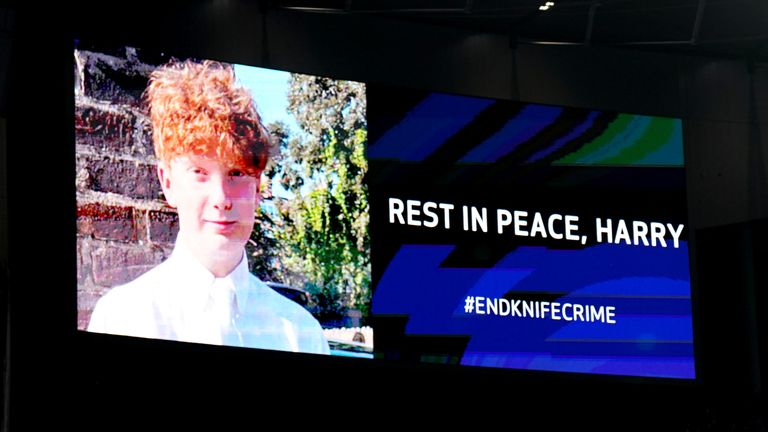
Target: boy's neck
{"x": 220, "y": 264}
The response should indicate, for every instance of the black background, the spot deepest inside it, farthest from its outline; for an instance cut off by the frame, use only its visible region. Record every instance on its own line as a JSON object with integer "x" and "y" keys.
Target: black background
{"x": 60, "y": 378}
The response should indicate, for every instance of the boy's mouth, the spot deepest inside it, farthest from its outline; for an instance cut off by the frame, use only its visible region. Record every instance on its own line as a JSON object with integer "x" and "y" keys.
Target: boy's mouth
{"x": 222, "y": 225}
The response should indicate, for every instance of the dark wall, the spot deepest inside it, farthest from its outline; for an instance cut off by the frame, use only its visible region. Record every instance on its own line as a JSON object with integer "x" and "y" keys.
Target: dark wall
{"x": 61, "y": 377}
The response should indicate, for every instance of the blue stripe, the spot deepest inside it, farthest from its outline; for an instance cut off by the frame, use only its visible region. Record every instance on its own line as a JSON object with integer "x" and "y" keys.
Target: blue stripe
{"x": 427, "y": 127}
{"x": 531, "y": 120}
{"x": 560, "y": 142}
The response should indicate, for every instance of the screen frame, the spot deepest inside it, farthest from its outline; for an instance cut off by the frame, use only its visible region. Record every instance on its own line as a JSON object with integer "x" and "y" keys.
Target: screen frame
{"x": 574, "y": 378}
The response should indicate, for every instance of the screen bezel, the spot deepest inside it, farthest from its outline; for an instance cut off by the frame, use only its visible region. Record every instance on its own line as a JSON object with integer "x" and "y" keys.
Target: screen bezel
{"x": 576, "y": 378}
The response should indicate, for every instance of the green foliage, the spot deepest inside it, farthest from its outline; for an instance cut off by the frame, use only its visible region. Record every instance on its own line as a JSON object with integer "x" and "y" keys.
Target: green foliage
{"x": 263, "y": 247}
{"x": 321, "y": 232}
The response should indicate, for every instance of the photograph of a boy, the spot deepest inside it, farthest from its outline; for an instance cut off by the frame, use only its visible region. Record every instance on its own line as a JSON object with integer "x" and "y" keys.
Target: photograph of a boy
{"x": 211, "y": 148}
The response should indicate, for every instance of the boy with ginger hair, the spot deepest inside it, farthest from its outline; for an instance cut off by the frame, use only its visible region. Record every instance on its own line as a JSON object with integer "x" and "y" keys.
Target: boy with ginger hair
{"x": 211, "y": 148}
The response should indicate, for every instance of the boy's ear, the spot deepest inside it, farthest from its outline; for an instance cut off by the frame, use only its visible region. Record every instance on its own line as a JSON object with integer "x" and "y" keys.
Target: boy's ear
{"x": 164, "y": 175}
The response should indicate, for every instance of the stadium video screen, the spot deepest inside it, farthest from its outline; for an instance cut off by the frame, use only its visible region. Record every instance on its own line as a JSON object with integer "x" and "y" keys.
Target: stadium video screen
{"x": 459, "y": 230}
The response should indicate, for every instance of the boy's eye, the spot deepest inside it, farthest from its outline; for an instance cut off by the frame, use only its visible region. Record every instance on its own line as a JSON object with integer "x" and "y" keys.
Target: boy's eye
{"x": 236, "y": 173}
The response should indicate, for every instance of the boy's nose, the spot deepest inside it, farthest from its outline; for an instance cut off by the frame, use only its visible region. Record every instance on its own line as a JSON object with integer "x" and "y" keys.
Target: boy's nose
{"x": 220, "y": 197}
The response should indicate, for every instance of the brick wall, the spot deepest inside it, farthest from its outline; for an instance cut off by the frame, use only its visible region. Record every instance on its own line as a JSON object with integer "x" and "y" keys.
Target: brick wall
{"x": 124, "y": 227}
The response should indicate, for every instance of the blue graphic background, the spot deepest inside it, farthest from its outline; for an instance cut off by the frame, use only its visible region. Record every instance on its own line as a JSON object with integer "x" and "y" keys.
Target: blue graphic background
{"x": 649, "y": 288}
{"x": 537, "y": 158}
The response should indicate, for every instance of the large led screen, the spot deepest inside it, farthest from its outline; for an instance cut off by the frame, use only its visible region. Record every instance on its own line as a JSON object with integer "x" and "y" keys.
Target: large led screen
{"x": 225, "y": 204}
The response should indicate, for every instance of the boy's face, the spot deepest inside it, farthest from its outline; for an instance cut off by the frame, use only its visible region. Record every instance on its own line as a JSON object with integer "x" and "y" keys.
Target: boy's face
{"x": 216, "y": 205}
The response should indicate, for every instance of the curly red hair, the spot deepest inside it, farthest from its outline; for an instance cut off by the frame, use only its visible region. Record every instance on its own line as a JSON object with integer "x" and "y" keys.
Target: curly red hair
{"x": 196, "y": 108}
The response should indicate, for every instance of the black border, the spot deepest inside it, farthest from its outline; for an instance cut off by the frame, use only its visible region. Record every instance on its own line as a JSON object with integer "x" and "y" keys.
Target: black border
{"x": 58, "y": 379}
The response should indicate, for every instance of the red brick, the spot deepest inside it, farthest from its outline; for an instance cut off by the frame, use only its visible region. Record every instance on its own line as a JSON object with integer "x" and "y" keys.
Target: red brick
{"x": 106, "y": 222}
{"x": 86, "y": 302}
{"x": 115, "y": 265}
{"x": 163, "y": 226}
{"x": 83, "y": 262}
{"x": 83, "y": 318}
{"x": 136, "y": 180}
{"x": 143, "y": 144}
{"x": 114, "y": 79}
{"x": 104, "y": 129}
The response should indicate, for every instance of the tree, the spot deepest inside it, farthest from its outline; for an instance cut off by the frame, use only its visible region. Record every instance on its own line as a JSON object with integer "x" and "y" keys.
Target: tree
{"x": 323, "y": 227}
{"x": 263, "y": 246}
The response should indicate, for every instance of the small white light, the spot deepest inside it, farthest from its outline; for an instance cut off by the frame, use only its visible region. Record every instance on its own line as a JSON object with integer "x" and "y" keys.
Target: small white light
{"x": 543, "y": 8}
{"x": 550, "y": 4}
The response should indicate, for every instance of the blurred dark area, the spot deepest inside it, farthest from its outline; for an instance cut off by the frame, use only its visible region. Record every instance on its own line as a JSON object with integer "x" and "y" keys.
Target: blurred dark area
{"x": 705, "y": 61}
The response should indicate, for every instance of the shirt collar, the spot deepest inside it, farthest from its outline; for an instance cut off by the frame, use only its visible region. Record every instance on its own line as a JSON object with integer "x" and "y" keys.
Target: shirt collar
{"x": 196, "y": 280}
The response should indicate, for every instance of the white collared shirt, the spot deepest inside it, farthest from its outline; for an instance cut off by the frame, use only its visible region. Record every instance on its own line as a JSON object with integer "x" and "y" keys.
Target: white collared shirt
{"x": 181, "y": 300}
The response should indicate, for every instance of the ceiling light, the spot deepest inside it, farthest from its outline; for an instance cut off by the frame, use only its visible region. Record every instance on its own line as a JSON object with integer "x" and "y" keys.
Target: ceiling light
{"x": 546, "y": 6}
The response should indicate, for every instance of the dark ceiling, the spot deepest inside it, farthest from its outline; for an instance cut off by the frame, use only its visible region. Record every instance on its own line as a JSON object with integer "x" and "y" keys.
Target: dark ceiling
{"x": 721, "y": 28}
